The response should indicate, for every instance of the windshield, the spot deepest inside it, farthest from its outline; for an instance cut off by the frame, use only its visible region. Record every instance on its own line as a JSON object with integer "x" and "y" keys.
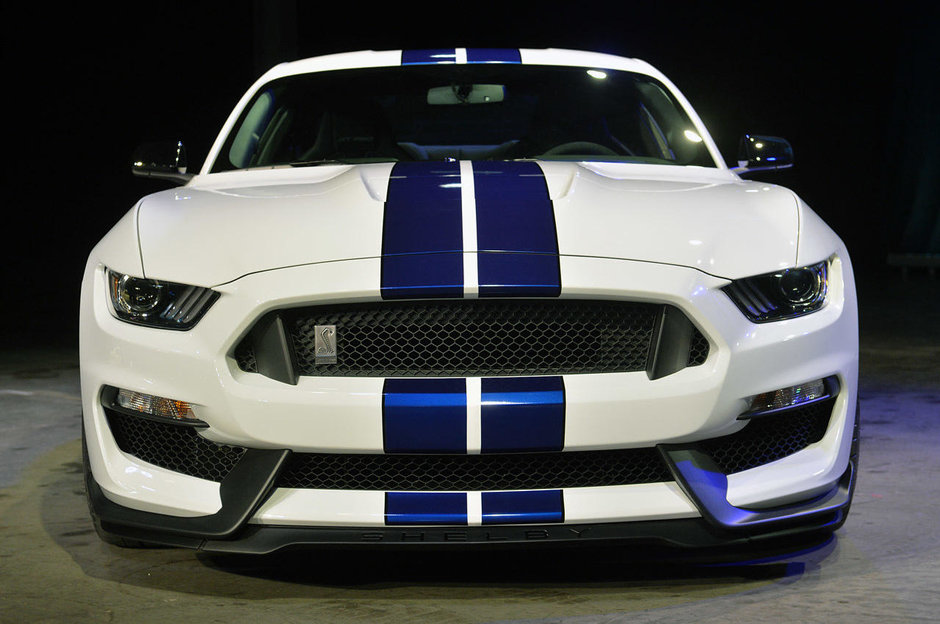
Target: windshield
{"x": 462, "y": 112}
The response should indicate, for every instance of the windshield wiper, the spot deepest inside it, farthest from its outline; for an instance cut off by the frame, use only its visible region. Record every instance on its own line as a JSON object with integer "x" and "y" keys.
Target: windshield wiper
{"x": 314, "y": 163}
{"x": 341, "y": 161}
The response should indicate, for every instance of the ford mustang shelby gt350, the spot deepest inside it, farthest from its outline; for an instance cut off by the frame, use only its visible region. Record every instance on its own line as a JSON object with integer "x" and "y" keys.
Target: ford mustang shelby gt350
{"x": 467, "y": 295}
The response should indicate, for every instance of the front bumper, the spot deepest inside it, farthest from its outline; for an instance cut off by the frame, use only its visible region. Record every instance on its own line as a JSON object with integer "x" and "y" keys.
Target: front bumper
{"x": 606, "y": 411}
{"x": 247, "y": 486}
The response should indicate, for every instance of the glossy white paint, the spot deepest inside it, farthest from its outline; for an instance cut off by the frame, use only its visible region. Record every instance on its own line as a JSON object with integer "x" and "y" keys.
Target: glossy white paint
{"x": 652, "y": 501}
{"x": 344, "y": 414}
{"x": 214, "y": 235}
{"x": 323, "y": 508}
{"x": 728, "y": 229}
{"x": 275, "y": 238}
{"x": 121, "y": 246}
{"x": 209, "y": 233}
{"x": 648, "y": 501}
{"x": 802, "y": 475}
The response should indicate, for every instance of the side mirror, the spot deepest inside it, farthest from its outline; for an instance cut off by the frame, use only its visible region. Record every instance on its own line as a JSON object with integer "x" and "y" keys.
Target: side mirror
{"x": 165, "y": 160}
{"x": 763, "y": 153}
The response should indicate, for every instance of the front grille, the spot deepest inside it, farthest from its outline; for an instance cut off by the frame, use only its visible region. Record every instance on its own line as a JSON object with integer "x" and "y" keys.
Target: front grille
{"x": 517, "y": 471}
{"x": 475, "y": 338}
{"x": 457, "y": 338}
{"x": 182, "y": 449}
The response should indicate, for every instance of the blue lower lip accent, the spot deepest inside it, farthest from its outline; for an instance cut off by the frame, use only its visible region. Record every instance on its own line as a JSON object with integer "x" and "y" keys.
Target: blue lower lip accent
{"x": 522, "y": 414}
{"x": 422, "y": 232}
{"x": 493, "y": 55}
{"x": 424, "y": 415}
{"x": 429, "y": 57}
{"x": 515, "y": 231}
{"x": 528, "y": 507}
{"x": 425, "y": 508}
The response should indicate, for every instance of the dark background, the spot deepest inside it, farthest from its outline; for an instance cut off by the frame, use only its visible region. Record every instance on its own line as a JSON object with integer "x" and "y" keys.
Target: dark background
{"x": 853, "y": 87}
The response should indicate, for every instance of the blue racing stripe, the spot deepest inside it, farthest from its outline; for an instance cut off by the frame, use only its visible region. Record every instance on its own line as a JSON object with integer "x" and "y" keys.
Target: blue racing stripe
{"x": 493, "y": 55}
{"x": 428, "y": 57}
{"x": 516, "y": 234}
{"x": 522, "y": 414}
{"x": 422, "y": 232}
{"x": 425, "y": 508}
{"x": 528, "y": 507}
{"x": 424, "y": 415}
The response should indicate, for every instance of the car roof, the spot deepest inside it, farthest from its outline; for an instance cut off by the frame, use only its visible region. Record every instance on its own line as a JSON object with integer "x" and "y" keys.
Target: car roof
{"x": 390, "y": 58}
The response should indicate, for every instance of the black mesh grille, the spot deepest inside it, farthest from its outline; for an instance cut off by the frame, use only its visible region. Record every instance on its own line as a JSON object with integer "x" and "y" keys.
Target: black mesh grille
{"x": 476, "y": 338}
{"x": 770, "y": 438}
{"x": 245, "y": 356}
{"x": 174, "y": 447}
{"x": 459, "y": 338}
{"x": 698, "y": 351}
{"x": 183, "y": 450}
{"x": 523, "y": 471}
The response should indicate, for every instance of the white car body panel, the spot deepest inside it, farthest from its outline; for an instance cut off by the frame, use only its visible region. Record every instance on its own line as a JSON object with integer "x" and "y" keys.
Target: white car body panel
{"x": 280, "y": 238}
{"x": 651, "y": 501}
{"x": 731, "y": 229}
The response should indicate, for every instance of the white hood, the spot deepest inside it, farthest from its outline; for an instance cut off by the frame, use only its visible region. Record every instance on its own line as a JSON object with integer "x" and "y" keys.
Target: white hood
{"x": 224, "y": 226}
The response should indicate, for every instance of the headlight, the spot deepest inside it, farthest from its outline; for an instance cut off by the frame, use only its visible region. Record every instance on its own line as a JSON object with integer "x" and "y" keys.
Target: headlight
{"x": 781, "y": 295}
{"x": 157, "y": 304}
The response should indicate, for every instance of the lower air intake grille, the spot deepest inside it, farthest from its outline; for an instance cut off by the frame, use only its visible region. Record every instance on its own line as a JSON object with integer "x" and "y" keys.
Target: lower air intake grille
{"x": 770, "y": 438}
{"x": 182, "y": 449}
{"x": 698, "y": 350}
{"x": 475, "y": 338}
{"x": 519, "y": 471}
{"x": 174, "y": 447}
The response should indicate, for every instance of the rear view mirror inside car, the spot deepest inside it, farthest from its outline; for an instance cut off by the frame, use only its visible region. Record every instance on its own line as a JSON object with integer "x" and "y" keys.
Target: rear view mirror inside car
{"x": 466, "y": 94}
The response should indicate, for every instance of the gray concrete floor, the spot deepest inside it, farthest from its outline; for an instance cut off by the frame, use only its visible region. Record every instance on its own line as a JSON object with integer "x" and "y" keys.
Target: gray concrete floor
{"x": 882, "y": 566}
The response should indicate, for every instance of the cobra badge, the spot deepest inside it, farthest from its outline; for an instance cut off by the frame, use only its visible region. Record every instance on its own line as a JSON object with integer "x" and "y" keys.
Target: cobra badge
{"x": 325, "y": 344}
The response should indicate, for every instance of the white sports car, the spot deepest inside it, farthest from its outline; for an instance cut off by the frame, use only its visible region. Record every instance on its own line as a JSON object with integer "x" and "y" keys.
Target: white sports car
{"x": 467, "y": 295}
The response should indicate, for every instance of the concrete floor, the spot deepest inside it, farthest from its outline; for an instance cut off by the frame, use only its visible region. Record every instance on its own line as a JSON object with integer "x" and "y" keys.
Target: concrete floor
{"x": 882, "y": 566}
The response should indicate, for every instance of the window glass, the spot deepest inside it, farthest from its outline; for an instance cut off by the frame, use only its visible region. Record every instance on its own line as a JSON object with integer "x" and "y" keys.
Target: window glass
{"x": 472, "y": 112}
{"x": 245, "y": 144}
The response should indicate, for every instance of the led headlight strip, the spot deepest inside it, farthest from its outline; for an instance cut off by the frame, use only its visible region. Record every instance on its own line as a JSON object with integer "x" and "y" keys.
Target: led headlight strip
{"x": 781, "y": 295}
{"x": 155, "y": 303}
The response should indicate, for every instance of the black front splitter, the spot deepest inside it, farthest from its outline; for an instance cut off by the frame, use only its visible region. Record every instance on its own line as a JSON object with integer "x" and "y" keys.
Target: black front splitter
{"x": 253, "y": 479}
{"x": 692, "y": 533}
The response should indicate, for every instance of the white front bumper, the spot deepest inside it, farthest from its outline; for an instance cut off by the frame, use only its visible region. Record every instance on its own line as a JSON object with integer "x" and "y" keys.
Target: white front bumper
{"x": 343, "y": 415}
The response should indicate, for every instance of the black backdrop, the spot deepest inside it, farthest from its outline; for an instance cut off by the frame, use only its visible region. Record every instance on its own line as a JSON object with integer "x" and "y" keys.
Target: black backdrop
{"x": 853, "y": 87}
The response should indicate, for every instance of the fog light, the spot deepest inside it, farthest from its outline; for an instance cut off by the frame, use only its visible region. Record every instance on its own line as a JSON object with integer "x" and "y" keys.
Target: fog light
{"x": 154, "y": 405}
{"x": 809, "y": 392}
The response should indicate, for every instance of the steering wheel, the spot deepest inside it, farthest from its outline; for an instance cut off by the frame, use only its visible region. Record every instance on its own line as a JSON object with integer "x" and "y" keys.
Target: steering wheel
{"x": 580, "y": 147}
